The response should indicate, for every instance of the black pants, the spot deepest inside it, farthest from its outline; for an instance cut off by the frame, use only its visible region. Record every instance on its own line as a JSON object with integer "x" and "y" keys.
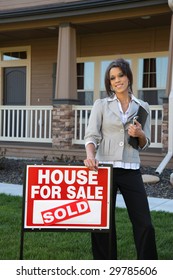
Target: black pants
{"x": 131, "y": 186}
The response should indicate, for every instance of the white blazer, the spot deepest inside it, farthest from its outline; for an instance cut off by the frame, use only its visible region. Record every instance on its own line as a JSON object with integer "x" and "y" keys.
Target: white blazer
{"x": 110, "y": 135}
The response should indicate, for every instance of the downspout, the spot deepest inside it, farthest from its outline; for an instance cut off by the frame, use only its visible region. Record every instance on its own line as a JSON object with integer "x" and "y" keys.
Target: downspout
{"x": 169, "y": 154}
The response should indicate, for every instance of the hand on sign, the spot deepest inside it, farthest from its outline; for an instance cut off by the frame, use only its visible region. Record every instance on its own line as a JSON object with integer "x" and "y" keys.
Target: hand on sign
{"x": 91, "y": 163}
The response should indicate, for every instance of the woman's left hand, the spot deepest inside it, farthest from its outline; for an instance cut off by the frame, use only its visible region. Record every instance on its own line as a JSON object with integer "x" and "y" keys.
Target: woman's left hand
{"x": 135, "y": 130}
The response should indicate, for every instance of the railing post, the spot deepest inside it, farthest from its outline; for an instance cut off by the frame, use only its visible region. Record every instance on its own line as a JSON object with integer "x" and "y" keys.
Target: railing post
{"x": 165, "y": 125}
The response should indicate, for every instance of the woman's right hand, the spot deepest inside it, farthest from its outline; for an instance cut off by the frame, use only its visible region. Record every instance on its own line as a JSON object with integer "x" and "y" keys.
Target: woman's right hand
{"x": 91, "y": 163}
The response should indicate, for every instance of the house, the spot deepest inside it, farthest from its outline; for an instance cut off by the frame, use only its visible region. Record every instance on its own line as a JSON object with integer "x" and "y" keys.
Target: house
{"x": 53, "y": 55}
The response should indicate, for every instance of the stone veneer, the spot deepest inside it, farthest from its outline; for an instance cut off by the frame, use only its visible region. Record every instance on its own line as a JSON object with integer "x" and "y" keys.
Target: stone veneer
{"x": 62, "y": 126}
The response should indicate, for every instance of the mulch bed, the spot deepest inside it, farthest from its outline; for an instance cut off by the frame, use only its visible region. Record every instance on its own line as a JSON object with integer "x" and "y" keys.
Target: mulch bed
{"x": 12, "y": 171}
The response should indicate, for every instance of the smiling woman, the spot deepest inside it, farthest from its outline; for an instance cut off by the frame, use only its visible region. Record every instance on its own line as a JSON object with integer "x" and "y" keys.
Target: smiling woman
{"x": 107, "y": 141}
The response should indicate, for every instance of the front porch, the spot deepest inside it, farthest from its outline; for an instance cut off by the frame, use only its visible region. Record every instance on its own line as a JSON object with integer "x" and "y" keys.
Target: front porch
{"x": 47, "y": 132}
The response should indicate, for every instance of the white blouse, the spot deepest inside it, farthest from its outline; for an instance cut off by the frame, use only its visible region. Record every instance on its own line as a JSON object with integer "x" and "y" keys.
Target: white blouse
{"x": 121, "y": 164}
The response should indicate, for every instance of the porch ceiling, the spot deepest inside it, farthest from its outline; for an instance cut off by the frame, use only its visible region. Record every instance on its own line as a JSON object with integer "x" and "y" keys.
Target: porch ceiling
{"x": 126, "y": 24}
{"x": 89, "y": 28}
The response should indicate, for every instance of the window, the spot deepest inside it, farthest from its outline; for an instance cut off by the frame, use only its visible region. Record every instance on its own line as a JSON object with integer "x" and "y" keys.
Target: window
{"x": 149, "y": 73}
{"x": 152, "y": 79}
{"x": 85, "y": 82}
{"x": 14, "y": 55}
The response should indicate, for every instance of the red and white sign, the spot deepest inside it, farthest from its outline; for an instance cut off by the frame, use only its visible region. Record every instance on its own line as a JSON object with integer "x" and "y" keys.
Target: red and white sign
{"x": 67, "y": 197}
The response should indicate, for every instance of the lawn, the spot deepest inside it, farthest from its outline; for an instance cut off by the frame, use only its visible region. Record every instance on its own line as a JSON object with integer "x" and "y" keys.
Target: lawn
{"x": 72, "y": 245}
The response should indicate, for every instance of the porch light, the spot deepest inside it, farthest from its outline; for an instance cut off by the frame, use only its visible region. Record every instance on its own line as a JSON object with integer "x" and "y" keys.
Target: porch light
{"x": 51, "y": 27}
{"x": 146, "y": 17}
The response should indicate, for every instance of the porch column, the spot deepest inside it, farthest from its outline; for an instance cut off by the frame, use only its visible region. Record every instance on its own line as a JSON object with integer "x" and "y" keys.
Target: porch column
{"x": 66, "y": 89}
{"x": 66, "y": 74}
{"x": 165, "y": 123}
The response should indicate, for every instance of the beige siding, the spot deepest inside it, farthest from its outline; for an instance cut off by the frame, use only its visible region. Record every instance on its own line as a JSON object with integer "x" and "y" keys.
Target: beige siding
{"x": 44, "y": 54}
{"x": 134, "y": 41}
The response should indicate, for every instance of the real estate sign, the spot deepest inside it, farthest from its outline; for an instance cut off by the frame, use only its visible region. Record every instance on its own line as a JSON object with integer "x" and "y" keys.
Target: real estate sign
{"x": 67, "y": 197}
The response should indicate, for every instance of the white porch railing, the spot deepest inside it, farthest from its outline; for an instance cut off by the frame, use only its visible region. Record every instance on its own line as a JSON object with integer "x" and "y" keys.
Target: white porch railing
{"x": 34, "y": 124}
{"x": 82, "y": 114}
{"x": 156, "y": 112}
{"x": 26, "y": 123}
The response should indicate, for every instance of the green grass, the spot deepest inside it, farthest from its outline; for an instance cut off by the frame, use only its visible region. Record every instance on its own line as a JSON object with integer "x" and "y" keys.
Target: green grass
{"x": 72, "y": 245}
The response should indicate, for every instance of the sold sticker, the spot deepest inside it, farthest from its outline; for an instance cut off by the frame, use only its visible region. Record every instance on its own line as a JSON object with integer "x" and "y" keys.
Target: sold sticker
{"x": 65, "y": 212}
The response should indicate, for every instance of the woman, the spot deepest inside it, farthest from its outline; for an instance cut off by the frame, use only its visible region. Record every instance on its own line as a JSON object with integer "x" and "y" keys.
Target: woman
{"x": 112, "y": 124}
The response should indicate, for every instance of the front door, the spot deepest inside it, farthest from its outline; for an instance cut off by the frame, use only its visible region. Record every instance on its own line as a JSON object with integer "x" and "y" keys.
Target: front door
{"x": 15, "y": 86}
{"x": 14, "y": 94}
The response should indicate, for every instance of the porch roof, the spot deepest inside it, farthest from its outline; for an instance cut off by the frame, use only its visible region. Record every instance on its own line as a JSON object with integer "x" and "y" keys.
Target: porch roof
{"x": 40, "y": 11}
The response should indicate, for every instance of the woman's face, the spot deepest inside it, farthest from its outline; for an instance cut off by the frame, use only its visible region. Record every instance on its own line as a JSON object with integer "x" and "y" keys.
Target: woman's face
{"x": 118, "y": 81}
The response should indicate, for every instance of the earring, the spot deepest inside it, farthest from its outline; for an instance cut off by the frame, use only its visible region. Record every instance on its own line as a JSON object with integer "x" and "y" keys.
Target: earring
{"x": 129, "y": 89}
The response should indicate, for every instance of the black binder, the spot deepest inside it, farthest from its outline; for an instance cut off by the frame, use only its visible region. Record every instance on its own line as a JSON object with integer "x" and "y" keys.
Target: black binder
{"x": 142, "y": 116}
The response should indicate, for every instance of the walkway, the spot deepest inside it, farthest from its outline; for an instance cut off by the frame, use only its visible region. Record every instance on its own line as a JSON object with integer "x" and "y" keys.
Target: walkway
{"x": 156, "y": 204}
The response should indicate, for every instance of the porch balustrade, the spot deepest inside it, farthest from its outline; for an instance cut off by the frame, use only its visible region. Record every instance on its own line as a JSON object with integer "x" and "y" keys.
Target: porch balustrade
{"x": 26, "y": 123}
{"x": 34, "y": 124}
{"x": 82, "y": 114}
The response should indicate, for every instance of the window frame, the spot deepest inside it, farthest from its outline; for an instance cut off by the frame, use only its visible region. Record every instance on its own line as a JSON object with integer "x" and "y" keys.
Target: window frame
{"x": 16, "y": 63}
{"x": 134, "y": 58}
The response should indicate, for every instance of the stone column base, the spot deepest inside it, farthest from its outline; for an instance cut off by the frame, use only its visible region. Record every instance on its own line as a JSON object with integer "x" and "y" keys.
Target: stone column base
{"x": 62, "y": 126}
